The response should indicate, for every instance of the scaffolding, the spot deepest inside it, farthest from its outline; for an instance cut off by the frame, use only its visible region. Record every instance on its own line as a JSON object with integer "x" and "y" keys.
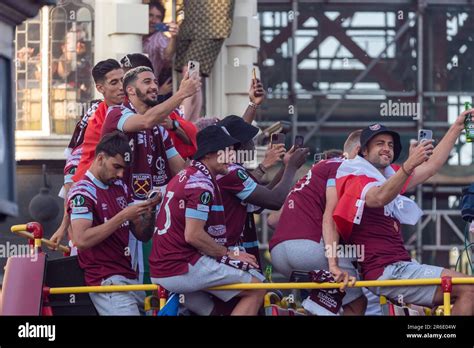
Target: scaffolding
{"x": 331, "y": 67}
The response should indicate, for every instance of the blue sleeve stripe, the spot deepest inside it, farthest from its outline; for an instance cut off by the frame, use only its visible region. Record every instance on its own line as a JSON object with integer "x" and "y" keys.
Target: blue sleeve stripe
{"x": 68, "y": 178}
{"x": 242, "y": 195}
{"x": 217, "y": 208}
{"x": 87, "y": 216}
{"x": 250, "y": 244}
{"x": 125, "y": 116}
{"x": 331, "y": 183}
{"x": 196, "y": 214}
{"x": 172, "y": 152}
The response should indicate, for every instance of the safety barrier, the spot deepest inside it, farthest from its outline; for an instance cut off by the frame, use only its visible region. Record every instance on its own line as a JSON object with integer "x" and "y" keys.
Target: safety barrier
{"x": 446, "y": 283}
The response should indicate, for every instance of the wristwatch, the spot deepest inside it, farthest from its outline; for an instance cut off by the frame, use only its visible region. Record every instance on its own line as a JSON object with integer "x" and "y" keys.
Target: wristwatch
{"x": 175, "y": 125}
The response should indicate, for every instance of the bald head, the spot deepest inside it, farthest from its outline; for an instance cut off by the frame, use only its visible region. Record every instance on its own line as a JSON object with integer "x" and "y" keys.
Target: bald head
{"x": 352, "y": 144}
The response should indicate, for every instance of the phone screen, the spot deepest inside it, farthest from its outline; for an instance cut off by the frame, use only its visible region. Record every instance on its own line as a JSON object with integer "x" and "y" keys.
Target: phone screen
{"x": 277, "y": 138}
{"x": 299, "y": 141}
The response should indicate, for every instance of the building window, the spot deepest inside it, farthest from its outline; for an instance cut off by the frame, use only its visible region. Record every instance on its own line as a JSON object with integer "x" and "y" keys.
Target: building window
{"x": 53, "y": 70}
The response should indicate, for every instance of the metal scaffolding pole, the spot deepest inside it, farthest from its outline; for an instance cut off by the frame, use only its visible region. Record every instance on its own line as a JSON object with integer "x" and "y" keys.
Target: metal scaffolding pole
{"x": 294, "y": 70}
{"x": 420, "y": 85}
{"x": 359, "y": 78}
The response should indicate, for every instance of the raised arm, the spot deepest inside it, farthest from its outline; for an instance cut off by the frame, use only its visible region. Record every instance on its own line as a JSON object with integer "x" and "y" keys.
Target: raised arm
{"x": 158, "y": 113}
{"x": 441, "y": 152}
{"x": 256, "y": 96}
{"x": 379, "y": 196}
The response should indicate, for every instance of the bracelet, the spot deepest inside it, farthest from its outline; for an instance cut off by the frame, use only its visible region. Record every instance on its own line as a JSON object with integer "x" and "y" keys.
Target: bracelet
{"x": 404, "y": 170}
{"x": 253, "y": 105}
{"x": 262, "y": 168}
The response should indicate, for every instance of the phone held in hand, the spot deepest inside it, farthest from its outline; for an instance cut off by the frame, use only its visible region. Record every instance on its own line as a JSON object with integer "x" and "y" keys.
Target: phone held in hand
{"x": 254, "y": 73}
{"x": 153, "y": 194}
{"x": 162, "y": 27}
{"x": 299, "y": 141}
{"x": 277, "y": 138}
{"x": 193, "y": 69}
{"x": 424, "y": 134}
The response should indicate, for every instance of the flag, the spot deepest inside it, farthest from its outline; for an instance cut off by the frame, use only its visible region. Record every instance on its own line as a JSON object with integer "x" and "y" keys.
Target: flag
{"x": 354, "y": 178}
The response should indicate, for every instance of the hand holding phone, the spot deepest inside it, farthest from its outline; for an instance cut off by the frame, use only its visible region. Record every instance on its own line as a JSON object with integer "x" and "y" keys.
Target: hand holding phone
{"x": 424, "y": 134}
{"x": 318, "y": 157}
{"x": 277, "y": 138}
{"x": 193, "y": 69}
{"x": 299, "y": 141}
{"x": 162, "y": 27}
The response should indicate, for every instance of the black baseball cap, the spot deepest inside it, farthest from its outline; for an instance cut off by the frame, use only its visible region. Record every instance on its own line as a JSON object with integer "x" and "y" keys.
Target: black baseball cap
{"x": 212, "y": 139}
{"x": 238, "y": 128}
{"x": 375, "y": 129}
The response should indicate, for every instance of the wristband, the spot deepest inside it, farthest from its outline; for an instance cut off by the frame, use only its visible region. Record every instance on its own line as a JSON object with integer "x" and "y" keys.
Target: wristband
{"x": 404, "y": 170}
{"x": 253, "y": 105}
{"x": 262, "y": 169}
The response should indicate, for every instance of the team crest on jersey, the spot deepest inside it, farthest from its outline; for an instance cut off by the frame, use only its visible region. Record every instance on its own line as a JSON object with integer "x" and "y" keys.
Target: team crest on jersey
{"x": 205, "y": 197}
{"x": 141, "y": 184}
{"x": 374, "y": 127}
{"x": 242, "y": 175}
{"x": 122, "y": 202}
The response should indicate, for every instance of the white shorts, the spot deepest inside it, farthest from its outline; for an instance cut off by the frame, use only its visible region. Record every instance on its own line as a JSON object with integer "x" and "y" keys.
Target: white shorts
{"x": 119, "y": 303}
{"x": 419, "y": 295}
{"x": 205, "y": 273}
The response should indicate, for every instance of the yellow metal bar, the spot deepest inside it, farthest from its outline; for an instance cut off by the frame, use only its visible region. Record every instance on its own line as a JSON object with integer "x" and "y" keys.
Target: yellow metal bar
{"x": 18, "y": 228}
{"x": 447, "y": 303}
{"x": 104, "y": 288}
{"x": 267, "y": 286}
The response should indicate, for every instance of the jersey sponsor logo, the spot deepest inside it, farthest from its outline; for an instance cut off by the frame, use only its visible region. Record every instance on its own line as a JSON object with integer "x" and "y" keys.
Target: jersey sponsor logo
{"x": 78, "y": 201}
{"x": 216, "y": 230}
{"x": 205, "y": 197}
{"x": 122, "y": 202}
{"x": 202, "y": 207}
{"x": 141, "y": 184}
{"x": 132, "y": 144}
{"x": 141, "y": 138}
{"x": 242, "y": 175}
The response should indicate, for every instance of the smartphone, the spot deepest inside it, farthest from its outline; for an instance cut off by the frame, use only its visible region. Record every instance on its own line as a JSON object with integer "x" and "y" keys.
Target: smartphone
{"x": 277, "y": 138}
{"x": 299, "y": 141}
{"x": 153, "y": 194}
{"x": 318, "y": 157}
{"x": 424, "y": 134}
{"x": 254, "y": 73}
{"x": 193, "y": 68}
{"x": 162, "y": 27}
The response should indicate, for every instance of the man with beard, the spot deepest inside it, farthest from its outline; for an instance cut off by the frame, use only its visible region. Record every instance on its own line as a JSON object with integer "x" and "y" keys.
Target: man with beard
{"x": 156, "y": 160}
{"x": 371, "y": 209}
{"x": 107, "y": 76}
{"x": 189, "y": 254}
{"x": 306, "y": 232}
{"x": 101, "y": 220}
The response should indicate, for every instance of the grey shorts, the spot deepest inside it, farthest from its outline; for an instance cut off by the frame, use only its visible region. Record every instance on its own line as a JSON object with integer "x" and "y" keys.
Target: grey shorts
{"x": 419, "y": 295}
{"x": 119, "y": 303}
{"x": 307, "y": 255}
{"x": 205, "y": 273}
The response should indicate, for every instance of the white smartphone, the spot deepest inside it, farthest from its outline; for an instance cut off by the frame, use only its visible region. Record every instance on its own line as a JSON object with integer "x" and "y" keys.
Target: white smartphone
{"x": 193, "y": 69}
{"x": 424, "y": 134}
